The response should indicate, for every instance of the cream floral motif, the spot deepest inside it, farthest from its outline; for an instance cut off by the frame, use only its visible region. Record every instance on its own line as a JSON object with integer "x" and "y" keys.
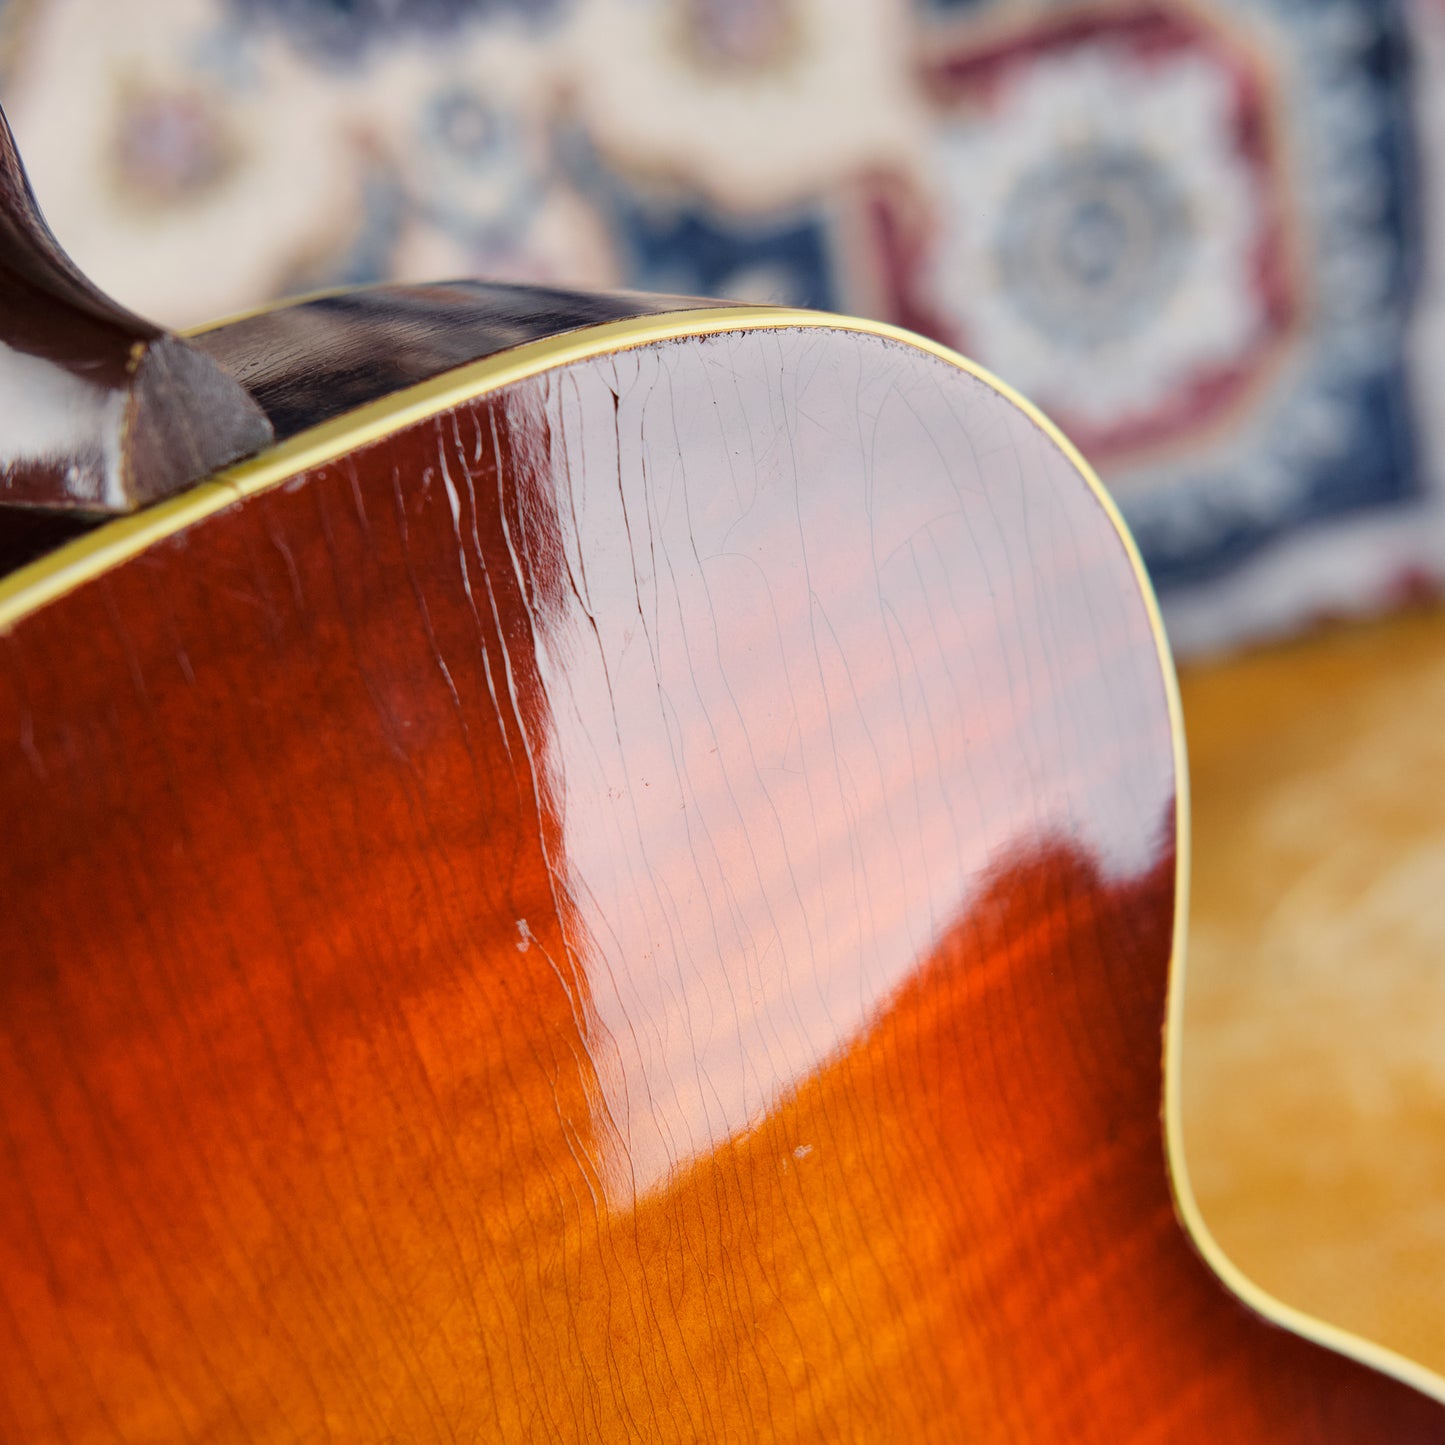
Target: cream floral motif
{"x": 839, "y": 102}
{"x": 216, "y": 247}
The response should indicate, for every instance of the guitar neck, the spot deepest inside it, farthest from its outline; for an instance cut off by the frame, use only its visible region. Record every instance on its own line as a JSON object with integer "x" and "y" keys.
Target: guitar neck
{"x": 101, "y": 411}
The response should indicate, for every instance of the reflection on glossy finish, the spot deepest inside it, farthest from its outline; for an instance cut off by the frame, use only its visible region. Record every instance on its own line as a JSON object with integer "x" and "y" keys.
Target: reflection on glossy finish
{"x": 638, "y": 909}
{"x": 821, "y": 680}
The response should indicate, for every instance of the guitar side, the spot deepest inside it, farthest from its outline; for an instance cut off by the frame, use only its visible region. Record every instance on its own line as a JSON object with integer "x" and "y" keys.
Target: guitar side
{"x": 626, "y": 890}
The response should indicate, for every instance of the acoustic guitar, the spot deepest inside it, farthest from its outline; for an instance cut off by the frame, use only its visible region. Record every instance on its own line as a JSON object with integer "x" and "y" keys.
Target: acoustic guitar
{"x": 590, "y": 868}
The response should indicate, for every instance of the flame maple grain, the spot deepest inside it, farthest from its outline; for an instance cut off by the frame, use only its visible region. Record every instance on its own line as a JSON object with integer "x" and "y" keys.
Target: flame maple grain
{"x": 638, "y": 909}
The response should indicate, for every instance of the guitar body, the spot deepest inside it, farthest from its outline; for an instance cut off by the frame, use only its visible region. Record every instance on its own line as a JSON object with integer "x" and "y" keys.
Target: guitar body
{"x": 620, "y": 889}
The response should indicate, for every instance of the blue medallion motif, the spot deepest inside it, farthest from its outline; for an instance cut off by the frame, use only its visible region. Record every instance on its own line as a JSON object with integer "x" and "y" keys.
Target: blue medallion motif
{"x": 1336, "y": 434}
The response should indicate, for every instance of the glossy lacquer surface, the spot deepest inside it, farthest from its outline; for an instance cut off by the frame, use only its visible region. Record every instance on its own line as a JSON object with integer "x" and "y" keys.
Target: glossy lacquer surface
{"x": 100, "y": 411}
{"x": 636, "y": 909}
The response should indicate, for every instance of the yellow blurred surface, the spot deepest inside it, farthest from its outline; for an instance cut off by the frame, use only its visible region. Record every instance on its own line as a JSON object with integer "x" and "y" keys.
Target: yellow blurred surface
{"x": 1314, "y": 1056}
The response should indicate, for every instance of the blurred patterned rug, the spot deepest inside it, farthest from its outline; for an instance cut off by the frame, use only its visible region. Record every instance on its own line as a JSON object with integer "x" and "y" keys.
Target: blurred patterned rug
{"x": 1201, "y": 235}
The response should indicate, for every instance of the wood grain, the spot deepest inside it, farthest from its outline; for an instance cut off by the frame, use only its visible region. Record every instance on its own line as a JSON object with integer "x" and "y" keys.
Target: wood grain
{"x": 638, "y": 908}
{"x": 1314, "y": 1079}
